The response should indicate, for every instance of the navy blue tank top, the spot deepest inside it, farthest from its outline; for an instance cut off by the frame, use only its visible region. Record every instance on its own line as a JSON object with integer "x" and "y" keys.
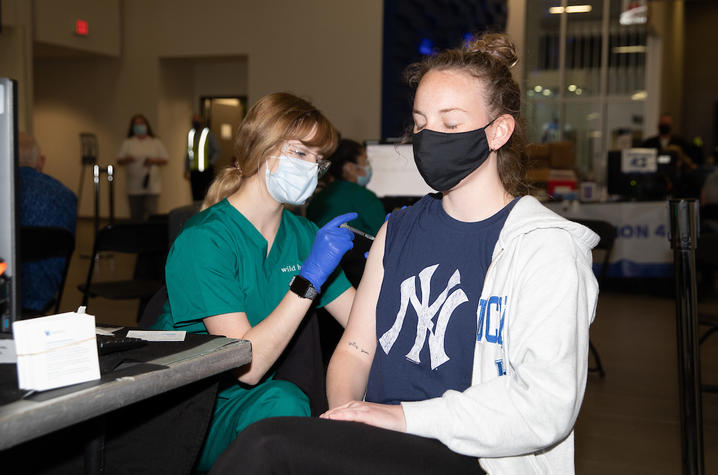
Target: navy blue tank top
{"x": 426, "y": 317}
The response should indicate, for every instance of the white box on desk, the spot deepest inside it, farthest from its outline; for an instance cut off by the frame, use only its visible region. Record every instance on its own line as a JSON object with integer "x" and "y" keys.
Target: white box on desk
{"x": 56, "y": 351}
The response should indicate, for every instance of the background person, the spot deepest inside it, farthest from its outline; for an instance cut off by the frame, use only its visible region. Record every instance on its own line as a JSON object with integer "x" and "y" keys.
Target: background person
{"x": 346, "y": 190}
{"x": 43, "y": 201}
{"x": 202, "y": 153}
{"x": 247, "y": 268}
{"x": 468, "y": 337}
{"x": 141, "y": 154}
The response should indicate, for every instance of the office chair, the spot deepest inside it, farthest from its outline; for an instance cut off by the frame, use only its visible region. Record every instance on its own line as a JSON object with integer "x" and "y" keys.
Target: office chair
{"x": 607, "y": 234}
{"x": 38, "y": 243}
{"x": 148, "y": 241}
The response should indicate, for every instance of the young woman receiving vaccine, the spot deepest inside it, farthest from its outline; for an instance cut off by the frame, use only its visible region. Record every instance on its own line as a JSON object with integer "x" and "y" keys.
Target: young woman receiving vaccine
{"x": 467, "y": 344}
{"x": 246, "y": 268}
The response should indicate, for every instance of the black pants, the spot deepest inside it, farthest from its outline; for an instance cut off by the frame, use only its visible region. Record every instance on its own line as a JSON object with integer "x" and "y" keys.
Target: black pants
{"x": 200, "y": 182}
{"x": 303, "y": 445}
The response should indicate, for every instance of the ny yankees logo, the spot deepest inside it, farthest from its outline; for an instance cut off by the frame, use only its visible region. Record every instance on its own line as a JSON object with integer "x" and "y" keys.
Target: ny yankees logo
{"x": 425, "y": 312}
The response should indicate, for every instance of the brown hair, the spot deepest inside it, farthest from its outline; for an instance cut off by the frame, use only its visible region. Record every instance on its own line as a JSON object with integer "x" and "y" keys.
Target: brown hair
{"x": 489, "y": 58}
{"x": 273, "y": 119}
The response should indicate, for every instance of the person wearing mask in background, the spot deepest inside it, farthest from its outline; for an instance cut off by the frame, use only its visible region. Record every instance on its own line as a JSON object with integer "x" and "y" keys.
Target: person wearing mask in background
{"x": 43, "y": 201}
{"x": 246, "y": 267}
{"x": 346, "y": 190}
{"x": 202, "y": 153}
{"x": 683, "y": 179}
{"x": 665, "y": 136}
{"x": 466, "y": 350}
{"x": 141, "y": 154}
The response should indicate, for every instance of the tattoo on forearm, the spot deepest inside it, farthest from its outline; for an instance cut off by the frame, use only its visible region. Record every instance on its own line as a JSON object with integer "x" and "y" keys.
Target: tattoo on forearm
{"x": 354, "y": 345}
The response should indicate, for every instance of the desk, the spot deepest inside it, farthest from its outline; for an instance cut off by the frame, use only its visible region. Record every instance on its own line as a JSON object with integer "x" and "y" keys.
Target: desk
{"x": 24, "y": 420}
{"x": 642, "y": 248}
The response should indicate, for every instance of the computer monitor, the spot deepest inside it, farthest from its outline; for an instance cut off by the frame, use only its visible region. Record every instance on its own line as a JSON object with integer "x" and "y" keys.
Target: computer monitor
{"x": 9, "y": 226}
{"x": 394, "y": 173}
{"x": 640, "y": 174}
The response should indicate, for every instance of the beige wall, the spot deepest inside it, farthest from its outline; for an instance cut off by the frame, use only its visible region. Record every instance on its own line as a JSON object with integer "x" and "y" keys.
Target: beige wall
{"x": 325, "y": 50}
{"x": 666, "y": 19}
{"x": 55, "y": 24}
{"x": 16, "y": 55}
{"x": 700, "y": 79}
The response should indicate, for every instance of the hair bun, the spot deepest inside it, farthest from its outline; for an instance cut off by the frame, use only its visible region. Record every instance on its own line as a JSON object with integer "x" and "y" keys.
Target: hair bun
{"x": 498, "y": 45}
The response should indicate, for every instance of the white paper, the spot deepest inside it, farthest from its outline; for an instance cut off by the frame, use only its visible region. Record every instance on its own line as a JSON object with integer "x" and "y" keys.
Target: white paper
{"x": 158, "y": 335}
{"x": 7, "y": 351}
{"x": 55, "y": 351}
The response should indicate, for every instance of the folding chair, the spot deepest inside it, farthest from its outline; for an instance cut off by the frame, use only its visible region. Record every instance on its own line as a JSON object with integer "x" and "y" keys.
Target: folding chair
{"x": 607, "y": 234}
{"x": 38, "y": 243}
{"x": 148, "y": 240}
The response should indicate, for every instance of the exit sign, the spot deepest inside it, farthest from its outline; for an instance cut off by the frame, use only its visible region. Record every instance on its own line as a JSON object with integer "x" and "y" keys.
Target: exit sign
{"x": 81, "y": 27}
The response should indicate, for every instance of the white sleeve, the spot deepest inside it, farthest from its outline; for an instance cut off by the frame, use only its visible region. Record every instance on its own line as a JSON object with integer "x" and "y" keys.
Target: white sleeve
{"x": 161, "y": 150}
{"x": 536, "y": 403}
{"x": 124, "y": 149}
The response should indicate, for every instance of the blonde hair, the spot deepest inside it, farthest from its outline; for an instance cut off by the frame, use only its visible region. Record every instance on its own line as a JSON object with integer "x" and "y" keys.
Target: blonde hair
{"x": 489, "y": 58}
{"x": 273, "y": 119}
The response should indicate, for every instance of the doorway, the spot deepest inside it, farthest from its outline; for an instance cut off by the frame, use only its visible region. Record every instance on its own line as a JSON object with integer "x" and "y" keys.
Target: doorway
{"x": 223, "y": 115}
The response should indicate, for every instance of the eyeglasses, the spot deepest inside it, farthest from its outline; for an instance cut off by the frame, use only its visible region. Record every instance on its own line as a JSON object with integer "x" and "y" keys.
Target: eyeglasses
{"x": 301, "y": 152}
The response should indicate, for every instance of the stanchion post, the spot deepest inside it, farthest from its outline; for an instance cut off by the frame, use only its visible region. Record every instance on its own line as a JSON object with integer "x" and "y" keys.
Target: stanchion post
{"x": 683, "y": 235}
{"x": 96, "y": 182}
{"x": 111, "y": 184}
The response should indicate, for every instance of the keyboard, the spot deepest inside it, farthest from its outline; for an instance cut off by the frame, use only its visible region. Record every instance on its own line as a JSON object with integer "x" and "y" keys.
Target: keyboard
{"x": 110, "y": 344}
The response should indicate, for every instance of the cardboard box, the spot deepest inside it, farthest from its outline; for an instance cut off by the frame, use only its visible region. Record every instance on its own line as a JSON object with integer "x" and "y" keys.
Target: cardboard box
{"x": 539, "y": 155}
{"x": 537, "y": 175}
{"x": 562, "y": 156}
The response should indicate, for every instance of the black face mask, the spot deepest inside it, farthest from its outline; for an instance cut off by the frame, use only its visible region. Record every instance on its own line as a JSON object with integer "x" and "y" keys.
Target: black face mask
{"x": 664, "y": 129}
{"x": 445, "y": 159}
{"x": 196, "y": 125}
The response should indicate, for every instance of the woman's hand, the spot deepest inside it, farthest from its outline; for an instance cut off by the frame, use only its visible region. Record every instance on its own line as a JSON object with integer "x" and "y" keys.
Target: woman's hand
{"x": 386, "y": 416}
{"x": 125, "y": 160}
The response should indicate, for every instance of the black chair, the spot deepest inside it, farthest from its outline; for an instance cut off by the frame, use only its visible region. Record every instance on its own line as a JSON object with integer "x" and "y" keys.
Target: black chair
{"x": 38, "y": 243}
{"x": 607, "y": 234}
{"x": 148, "y": 241}
{"x": 176, "y": 219}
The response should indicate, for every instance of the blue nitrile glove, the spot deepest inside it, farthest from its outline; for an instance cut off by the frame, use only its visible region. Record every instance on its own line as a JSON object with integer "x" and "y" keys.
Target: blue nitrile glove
{"x": 330, "y": 245}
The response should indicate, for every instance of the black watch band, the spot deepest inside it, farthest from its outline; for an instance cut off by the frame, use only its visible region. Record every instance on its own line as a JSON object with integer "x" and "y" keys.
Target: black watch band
{"x": 303, "y": 288}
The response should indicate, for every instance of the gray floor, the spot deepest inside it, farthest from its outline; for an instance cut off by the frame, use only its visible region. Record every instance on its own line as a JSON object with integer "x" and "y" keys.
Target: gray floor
{"x": 629, "y": 421}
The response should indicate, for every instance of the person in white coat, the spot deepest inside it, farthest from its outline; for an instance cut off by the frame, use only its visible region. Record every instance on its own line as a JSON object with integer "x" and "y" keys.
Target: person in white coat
{"x": 141, "y": 154}
{"x": 466, "y": 349}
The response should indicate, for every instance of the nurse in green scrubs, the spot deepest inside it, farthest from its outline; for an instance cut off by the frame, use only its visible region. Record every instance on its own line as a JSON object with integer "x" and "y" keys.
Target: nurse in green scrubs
{"x": 247, "y": 268}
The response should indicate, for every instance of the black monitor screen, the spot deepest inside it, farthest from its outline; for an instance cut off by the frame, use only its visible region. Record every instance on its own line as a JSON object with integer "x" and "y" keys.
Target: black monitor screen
{"x": 635, "y": 175}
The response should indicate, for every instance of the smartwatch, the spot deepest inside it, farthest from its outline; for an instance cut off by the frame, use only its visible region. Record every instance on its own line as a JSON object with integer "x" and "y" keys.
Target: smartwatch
{"x": 303, "y": 288}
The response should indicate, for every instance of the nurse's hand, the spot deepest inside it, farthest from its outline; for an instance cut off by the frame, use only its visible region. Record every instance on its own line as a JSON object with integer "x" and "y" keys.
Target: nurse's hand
{"x": 330, "y": 245}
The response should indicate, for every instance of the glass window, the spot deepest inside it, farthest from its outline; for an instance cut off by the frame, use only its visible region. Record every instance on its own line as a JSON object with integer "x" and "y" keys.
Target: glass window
{"x": 576, "y": 92}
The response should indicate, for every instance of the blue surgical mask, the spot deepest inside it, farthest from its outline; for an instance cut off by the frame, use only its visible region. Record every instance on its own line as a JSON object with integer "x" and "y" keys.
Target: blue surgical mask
{"x": 294, "y": 181}
{"x": 363, "y": 180}
{"x": 139, "y": 129}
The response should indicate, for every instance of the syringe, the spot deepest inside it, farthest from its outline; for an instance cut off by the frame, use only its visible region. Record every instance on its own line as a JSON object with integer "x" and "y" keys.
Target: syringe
{"x": 356, "y": 231}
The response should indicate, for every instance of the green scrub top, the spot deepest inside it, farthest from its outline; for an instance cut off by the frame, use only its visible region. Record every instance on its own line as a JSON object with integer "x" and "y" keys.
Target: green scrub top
{"x": 343, "y": 196}
{"x": 219, "y": 264}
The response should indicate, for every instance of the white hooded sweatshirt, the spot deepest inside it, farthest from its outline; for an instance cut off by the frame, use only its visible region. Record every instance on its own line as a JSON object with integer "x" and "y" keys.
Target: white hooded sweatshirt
{"x": 538, "y": 300}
